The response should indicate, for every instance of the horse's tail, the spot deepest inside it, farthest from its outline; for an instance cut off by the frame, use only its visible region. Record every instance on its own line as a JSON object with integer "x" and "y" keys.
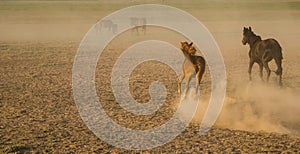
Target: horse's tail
{"x": 203, "y": 65}
{"x": 275, "y": 46}
{"x": 280, "y": 52}
{"x": 278, "y": 61}
{"x": 202, "y": 68}
{"x": 279, "y": 71}
{"x": 277, "y": 55}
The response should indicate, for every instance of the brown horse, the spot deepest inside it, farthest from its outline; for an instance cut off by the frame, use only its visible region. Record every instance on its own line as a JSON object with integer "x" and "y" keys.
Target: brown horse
{"x": 109, "y": 25}
{"x": 138, "y": 23}
{"x": 262, "y": 52}
{"x": 192, "y": 65}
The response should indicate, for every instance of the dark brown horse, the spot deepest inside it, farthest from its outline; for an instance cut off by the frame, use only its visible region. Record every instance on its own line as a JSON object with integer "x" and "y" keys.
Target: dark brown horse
{"x": 192, "y": 64}
{"x": 262, "y": 52}
{"x": 109, "y": 25}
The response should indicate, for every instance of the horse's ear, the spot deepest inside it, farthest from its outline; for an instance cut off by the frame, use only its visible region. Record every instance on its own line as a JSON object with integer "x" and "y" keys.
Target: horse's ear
{"x": 245, "y": 29}
{"x": 191, "y": 44}
{"x": 250, "y": 28}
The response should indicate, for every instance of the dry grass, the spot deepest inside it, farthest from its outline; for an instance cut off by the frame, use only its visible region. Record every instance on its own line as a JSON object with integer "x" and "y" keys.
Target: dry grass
{"x": 39, "y": 114}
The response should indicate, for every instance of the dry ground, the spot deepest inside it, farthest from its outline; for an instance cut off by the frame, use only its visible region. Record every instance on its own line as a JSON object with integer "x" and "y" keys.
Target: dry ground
{"x": 38, "y": 112}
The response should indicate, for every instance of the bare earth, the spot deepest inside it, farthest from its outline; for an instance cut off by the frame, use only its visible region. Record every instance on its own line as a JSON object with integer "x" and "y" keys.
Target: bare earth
{"x": 39, "y": 115}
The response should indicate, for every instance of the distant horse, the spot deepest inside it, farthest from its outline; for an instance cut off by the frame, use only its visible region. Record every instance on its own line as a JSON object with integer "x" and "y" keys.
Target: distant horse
{"x": 138, "y": 23}
{"x": 109, "y": 25}
{"x": 192, "y": 65}
{"x": 262, "y": 52}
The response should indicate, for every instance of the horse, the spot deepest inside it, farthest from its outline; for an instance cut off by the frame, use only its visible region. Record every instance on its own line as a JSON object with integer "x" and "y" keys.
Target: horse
{"x": 262, "y": 52}
{"x": 192, "y": 64}
{"x": 138, "y": 23}
{"x": 109, "y": 25}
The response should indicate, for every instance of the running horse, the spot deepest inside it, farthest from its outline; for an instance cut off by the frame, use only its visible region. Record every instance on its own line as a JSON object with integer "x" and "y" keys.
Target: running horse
{"x": 262, "y": 52}
{"x": 192, "y": 65}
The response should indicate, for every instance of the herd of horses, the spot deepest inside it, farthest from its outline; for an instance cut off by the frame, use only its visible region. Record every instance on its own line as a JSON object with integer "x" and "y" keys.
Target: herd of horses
{"x": 261, "y": 52}
{"x": 135, "y": 22}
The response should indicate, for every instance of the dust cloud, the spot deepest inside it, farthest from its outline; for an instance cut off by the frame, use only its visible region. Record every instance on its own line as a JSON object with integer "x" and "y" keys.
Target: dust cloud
{"x": 257, "y": 107}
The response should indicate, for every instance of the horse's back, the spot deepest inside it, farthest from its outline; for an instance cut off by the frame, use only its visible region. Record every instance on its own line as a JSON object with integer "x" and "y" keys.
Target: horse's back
{"x": 106, "y": 22}
{"x": 272, "y": 42}
{"x": 273, "y": 47}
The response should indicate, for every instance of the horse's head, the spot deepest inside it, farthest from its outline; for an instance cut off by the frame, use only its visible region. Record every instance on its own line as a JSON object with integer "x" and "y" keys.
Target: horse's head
{"x": 184, "y": 46}
{"x": 246, "y": 35}
{"x": 188, "y": 48}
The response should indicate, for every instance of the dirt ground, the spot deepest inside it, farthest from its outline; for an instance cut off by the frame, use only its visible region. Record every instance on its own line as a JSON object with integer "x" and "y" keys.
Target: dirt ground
{"x": 38, "y": 44}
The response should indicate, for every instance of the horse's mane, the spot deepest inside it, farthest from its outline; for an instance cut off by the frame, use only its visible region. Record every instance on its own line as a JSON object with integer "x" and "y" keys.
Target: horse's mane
{"x": 185, "y": 53}
{"x": 254, "y": 38}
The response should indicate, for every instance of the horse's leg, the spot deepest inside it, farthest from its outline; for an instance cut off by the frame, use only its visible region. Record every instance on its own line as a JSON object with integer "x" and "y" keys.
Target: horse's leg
{"x": 279, "y": 70}
{"x": 144, "y": 28}
{"x": 187, "y": 81}
{"x": 261, "y": 71}
{"x": 181, "y": 77}
{"x": 137, "y": 30}
{"x": 250, "y": 69}
{"x": 266, "y": 65}
{"x": 109, "y": 27}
